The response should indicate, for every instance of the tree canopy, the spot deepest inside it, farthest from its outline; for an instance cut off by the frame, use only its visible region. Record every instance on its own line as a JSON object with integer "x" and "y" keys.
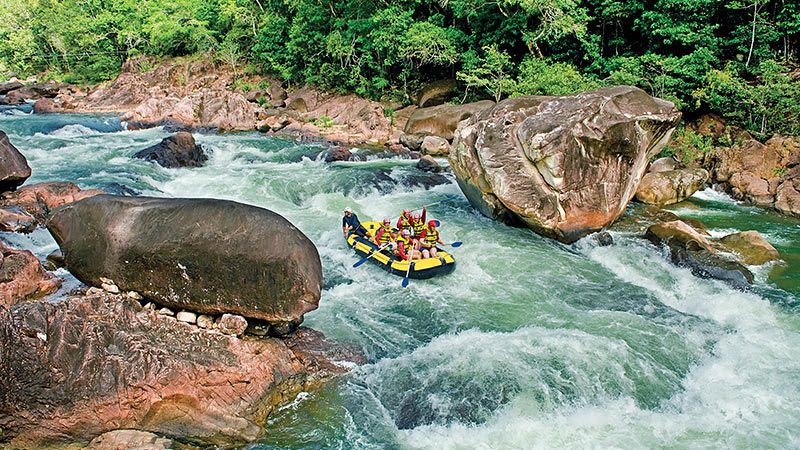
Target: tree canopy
{"x": 733, "y": 57}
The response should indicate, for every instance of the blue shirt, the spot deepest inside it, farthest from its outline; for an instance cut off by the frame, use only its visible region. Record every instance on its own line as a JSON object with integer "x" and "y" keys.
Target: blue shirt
{"x": 352, "y": 221}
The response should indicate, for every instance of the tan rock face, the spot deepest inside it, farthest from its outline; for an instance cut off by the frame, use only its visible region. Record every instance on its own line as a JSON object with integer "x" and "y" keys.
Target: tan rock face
{"x": 137, "y": 370}
{"x": 22, "y": 277}
{"x": 679, "y": 231}
{"x": 752, "y": 246}
{"x": 435, "y": 146}
{"x": 563, "y": 166}
{"x": 672, "y": 186}
{"x": 763, "y": 174}
{"x": 443, "y": 120}
{"x": 38, "y": 200}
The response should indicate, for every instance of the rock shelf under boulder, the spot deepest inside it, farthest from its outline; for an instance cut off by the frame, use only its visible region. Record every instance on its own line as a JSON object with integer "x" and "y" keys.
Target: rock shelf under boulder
{"x": 670, "y": 186}
{"x": 563, "y": 166}
{"x": 139, "y": 370}
{"x": 204, "y": 255}
{"x": 22, "y": 277}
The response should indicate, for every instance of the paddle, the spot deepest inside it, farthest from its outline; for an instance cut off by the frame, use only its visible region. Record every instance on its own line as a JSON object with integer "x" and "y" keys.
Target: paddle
{"x": 435, "y": 203}
{"x": 364, "y": 259}
{"x": 455, "y": 244}
{"x": 408, "y": 271}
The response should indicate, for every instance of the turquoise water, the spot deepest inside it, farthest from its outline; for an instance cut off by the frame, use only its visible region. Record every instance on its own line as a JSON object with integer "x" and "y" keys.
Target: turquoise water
{"x": 528, "y": 344}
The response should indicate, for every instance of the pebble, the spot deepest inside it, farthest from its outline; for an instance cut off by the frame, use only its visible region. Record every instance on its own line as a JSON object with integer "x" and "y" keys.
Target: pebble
{"x": 110, "y": 288}
{"x": 134, "y": 295}
{"x": 204, "y": 321}
{"x": 150, "y": 306}
{"x": 104, "y": 280}
{"x": 94, "y": 291}
{"x": 232, "y": 324}
{"x": 166, "y": 312}
{"x": 186, "y": 316}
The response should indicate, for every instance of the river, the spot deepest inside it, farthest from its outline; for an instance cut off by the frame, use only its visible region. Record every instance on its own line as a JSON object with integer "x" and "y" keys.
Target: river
{"x": 528, "y": 344}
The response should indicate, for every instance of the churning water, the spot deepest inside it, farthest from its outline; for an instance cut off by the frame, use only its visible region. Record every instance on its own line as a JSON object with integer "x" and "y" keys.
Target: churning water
{"x": 528, "y": 344}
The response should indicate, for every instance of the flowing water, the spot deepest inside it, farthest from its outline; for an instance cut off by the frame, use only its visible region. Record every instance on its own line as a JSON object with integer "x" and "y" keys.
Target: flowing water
{"x": 528, "y": 344}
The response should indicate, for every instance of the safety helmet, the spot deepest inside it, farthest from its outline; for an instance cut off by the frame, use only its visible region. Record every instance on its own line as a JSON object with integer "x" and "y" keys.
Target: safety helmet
{"x": 348, "y": 210}
{"x": 406, "y": 212}
{"x": 432, "y": 223}
{"x": 406, "y": 233}
{"x": 386, "y": 222}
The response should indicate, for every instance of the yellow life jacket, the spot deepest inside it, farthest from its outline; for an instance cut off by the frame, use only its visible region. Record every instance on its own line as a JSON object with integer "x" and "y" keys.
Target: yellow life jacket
{"x": 418, "y": 225}
{"x": 386, "y": 237}
{"x": 405, "y": 224}
{"x": 431, "y": 237}
{"x": 406, "y": 242}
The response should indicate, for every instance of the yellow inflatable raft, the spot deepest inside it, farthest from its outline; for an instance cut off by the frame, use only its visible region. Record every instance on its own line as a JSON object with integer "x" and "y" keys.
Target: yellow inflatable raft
{"x": 420, "y": 268}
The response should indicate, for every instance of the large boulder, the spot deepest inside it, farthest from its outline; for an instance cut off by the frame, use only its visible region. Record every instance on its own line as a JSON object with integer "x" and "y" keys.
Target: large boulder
{"x": 22, "y": 277}
{"x": 671, "y": 186}
{"x": 689, "y": 249}
{"x": 751, "y": 246}
{"x": 178, "y": 150}
{"x": 72, "y": 370}
{"x": 19, "y": 96}
{"x": 14, "y": 168}
{"x": 204, "y": 255}
{"x": 435, "y": 146}
{"x": 564, "y": 166}
{"x": 443, "y": 120}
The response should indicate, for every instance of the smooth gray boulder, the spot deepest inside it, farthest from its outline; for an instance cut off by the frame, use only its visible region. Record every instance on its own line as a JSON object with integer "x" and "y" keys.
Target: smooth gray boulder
{"x": 204, "y": 255}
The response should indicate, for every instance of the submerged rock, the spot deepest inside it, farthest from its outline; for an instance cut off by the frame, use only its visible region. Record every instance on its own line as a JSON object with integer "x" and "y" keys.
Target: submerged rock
{"x": 428, "y": 164}
{"x": 751, "y": 245}
{"x": 204, "y": 255}
{"x": 137, "y": 370}
{"x": 564, "y": 166}
{"x": 670, "y": 186}
{"x": 14, "y": 168}
{"x": 690, "y": 249}
{"x": 178, "y": 150}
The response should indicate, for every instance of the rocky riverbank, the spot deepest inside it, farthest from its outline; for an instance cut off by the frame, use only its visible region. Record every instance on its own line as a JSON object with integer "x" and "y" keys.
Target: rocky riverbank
{"x": 187, "y": 326}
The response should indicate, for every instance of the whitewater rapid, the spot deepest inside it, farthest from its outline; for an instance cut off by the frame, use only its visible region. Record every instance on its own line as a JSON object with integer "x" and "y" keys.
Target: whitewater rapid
{"x": 528, "y": 344}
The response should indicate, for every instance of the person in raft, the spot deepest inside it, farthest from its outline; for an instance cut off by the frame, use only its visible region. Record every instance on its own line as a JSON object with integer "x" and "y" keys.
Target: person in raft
{"x": 350, "y": 222}
{"x": 417, "y": 225}
{"x": 404, "y": 222}
{"x": 385, "y": 236}
{"x": 405, "y": 249}
{"x": 428, "y": 240}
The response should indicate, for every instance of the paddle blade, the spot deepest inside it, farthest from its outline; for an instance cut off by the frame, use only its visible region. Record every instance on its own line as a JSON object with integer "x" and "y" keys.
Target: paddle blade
{"x": 438, "y": 224}
{"x": 363, "y": 260}
{"x": 455, "y": 244}
{"x": 405, "y": 281}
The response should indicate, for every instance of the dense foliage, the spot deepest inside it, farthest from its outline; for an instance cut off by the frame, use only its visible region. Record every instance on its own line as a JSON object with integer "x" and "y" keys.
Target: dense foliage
{"x": 730, "y": 56}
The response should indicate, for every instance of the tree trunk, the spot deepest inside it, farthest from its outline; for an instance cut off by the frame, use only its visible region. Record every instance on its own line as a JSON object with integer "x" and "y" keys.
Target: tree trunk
{"x": 753, "y": 35}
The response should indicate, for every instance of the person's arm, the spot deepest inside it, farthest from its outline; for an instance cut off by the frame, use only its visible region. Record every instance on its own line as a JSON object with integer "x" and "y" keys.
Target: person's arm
{"x": 424, "y": 215}
{"x": 401, "y": 249}
{"x": 344, "y": 225}
{"x": 378, "y": 236}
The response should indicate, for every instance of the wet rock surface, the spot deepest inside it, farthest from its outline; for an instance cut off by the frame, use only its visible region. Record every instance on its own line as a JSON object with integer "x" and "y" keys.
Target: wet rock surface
{"x": 208, "y": 256}
{"x": 443, "y": 120}
{"x": 688, "y": 248}
{"x": 563, "y": 166}
{"x": 138, "y": 370}
{"x": 178, "y": 150}
{"x": 37, "y": 201}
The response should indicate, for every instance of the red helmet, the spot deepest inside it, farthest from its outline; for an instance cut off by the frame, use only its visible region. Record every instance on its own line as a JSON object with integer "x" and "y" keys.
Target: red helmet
{"x": 386, "y": 222}
{"x": 406, "y": 212}
{"x": 432, "y": 223}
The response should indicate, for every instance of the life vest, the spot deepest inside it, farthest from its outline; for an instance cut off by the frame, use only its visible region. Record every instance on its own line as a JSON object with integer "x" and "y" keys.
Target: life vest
{"x": 431, "y": 237}
{"x": 418, "y": 225}
{"x": 405, "y": 250}
{"x": 406, "y": 242}
{"x": 404, "y": 223}
{"x": 386, "y": 236}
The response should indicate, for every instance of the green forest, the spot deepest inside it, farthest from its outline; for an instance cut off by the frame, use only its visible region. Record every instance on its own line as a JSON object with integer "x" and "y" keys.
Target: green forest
{"x": 737, "y": 58}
